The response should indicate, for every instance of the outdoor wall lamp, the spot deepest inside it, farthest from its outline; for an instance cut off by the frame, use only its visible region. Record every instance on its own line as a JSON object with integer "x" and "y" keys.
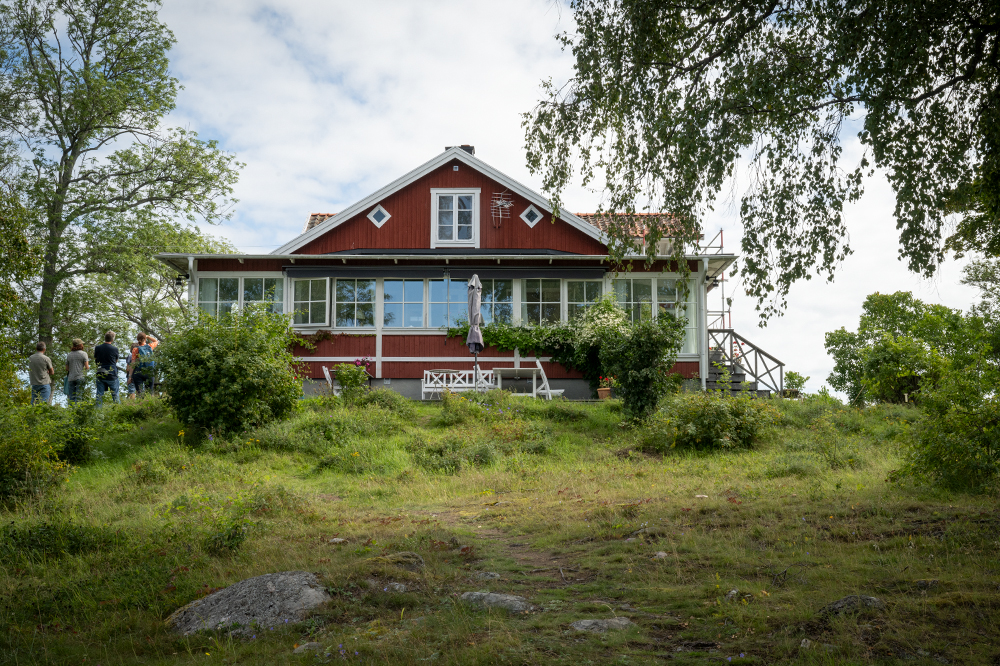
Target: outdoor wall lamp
{"x": 179, "y": 280}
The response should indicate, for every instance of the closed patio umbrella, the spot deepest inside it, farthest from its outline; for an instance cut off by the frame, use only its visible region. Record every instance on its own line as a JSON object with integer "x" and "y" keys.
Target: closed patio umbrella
{"x": 475, "y": 338}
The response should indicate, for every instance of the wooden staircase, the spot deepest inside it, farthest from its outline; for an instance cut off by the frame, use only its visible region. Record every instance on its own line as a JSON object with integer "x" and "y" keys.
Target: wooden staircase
{"x": 750, "y": 367}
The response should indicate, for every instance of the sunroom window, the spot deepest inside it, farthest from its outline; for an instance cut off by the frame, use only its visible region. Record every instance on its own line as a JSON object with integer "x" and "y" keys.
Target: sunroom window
{"x": 540, "y": 302}
{"x": 403, "y": 303}
{"x": 673, "y": 299}
{"x": 448, "y": 302}
{"x": 265, "y": 290}
{"x": 498, "y": 301}
{"x": 309, "y": 304}
{"x": 355, "y": 303}
{"x": 635, "y": 297}
{"x": 580, "y": 295}
{"x": 218, "y": 296}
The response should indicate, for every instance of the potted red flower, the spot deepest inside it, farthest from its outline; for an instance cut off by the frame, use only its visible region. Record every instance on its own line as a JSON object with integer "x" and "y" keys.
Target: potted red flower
{"x": 604, "y": 386}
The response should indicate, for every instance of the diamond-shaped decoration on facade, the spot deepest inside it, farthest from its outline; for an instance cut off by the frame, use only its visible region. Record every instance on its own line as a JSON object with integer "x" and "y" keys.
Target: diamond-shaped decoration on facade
{"x": 531, "y": 216}
{"x": 379, "y": 216}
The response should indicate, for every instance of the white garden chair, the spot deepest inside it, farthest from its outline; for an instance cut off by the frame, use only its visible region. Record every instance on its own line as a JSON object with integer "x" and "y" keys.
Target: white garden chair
{"x": 545, "y": 389}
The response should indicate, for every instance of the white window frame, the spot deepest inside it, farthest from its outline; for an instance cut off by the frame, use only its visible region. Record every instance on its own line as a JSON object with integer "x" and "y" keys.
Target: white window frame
{"x": 334, "y": 303}
{"x": 455, "y": 191}
{"x": 240, "y": 275}
{"x": 371, "y": 216}
{"x": 291, "y": 300}
{"x": 538, "y": 213}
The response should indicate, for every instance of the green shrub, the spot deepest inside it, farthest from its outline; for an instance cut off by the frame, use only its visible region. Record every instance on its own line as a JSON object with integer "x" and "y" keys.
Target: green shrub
{"x": 233, "y": 373}
{"x": 353, "y": 380}
{"x": 29, "y": 451}
{"x": 458, "y": 409}
{"x": 227, "y": 534}
{"x": 391, "y": 401}
{"x": 706, "y": 420}
{"x": 957, "y": 444}
{"x": 54, "y": 537}
{"x": 315, "y": 430}
{"x": 640, "y": 360}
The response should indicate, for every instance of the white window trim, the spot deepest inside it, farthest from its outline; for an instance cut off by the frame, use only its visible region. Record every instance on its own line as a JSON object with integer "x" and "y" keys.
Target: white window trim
{"x": 290, "y": 290}
{"x": 241, "y": 275}
{"x": 538, "y": 213}
{"x": 371, "y": 216}
{"x": 333, "y": 306}
{"x": 475, "y": 192}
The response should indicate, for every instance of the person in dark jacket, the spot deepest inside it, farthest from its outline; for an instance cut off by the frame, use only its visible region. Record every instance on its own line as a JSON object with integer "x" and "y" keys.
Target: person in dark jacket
{"x": 106, "y": 358}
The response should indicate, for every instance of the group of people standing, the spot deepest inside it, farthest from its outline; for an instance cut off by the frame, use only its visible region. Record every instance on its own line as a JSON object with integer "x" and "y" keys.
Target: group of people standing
{"x": 139, "y": 369}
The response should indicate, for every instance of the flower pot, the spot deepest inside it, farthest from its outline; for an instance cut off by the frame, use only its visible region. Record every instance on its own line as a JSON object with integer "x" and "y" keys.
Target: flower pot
{"x": 604, "y": 393}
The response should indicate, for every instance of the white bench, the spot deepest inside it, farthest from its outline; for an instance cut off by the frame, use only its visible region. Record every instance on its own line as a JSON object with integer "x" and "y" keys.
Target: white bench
{"x": 545, "y": 390}
{"x": 436, "y": 382}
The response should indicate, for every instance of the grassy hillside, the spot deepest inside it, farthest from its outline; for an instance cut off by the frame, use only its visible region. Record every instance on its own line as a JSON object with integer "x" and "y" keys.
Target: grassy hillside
{"x": 558, "y": 498}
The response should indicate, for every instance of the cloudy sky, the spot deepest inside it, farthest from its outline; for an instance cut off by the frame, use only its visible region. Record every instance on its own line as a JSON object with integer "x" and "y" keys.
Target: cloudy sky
{"x": 326, "y": 101}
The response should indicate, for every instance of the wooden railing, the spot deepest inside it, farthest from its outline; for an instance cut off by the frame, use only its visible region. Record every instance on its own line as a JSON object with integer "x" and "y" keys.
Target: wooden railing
{"x": 767, "y": 371}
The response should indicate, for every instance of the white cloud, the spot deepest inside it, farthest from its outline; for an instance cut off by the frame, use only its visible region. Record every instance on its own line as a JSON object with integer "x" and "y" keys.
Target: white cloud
{"x": 326, "y": 102}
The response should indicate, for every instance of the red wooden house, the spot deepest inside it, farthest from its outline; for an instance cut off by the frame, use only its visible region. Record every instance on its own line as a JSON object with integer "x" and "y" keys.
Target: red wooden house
{"x": 385, "y": 276}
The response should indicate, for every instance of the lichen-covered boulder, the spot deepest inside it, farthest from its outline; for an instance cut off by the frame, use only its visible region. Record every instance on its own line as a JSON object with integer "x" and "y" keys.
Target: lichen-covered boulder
{"x": 252, "y": 605}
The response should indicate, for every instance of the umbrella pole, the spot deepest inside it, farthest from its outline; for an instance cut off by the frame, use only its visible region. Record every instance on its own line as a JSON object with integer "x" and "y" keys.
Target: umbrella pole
{"x": 477, "y": 373}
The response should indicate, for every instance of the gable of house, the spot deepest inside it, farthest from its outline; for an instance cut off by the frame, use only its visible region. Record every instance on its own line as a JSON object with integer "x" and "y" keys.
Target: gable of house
{"x": 405, "y": 216}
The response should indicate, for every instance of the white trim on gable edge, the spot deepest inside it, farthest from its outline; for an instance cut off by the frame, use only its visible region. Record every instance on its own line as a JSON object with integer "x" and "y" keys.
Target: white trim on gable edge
{"x": 452, "y": 153}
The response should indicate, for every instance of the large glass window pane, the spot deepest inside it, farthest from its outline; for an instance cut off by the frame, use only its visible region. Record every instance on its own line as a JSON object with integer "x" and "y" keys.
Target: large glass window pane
{"x": 403, "y": 303}
{"x": 208, "y": 289}
{"x": 635, "y": 296}
{"x": 210, "y": 308}
{"x": 498, "y": 297}
{"x": 541, "y": 301}
{"x": 301, "y": 290}
{"x": 413, "y": 315}
{"x": 580, "y": 295}
{"x": 229, "y": 289}
{"x": 309, "y": 301}
{"x": 253, "y": 289}
{"x": 448, "y": 302}
{"x": 355, "y": 303}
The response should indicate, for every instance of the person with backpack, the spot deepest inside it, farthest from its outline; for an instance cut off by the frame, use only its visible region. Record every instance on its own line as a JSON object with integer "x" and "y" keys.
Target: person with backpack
{"x": 106, "y": 357}
{"x": 143, "y": 366}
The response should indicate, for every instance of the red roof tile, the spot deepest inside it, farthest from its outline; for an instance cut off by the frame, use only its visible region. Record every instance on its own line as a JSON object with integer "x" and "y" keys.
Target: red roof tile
{"x": 315, "y": 219}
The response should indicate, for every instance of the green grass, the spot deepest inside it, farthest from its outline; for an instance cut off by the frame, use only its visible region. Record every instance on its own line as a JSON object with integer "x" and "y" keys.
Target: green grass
{"x": 546, "y": 494}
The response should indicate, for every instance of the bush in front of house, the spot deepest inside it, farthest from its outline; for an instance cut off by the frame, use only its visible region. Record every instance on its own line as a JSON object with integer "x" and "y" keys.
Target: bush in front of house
{"x": 640, "y": 358}
{"x": 231, "y": 373}
{"x": 708, "y": 420}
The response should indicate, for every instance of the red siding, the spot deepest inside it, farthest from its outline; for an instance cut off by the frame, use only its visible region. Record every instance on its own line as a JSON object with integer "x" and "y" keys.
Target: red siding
{"x": 686, "y": 369}
{"x": 410, "y": 224}
{"x": 341, "y": 345}
{"x": 431, "y": 345}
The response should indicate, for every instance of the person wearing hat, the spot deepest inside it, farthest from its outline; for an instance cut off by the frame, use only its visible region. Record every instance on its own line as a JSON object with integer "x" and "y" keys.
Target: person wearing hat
{"x": 77, "y": 364}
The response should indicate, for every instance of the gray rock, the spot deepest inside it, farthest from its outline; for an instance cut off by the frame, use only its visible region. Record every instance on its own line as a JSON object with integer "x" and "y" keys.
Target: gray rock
{"x": 337, "y": 541}
{"x": 601, "y": 626}
{"x": 396, "y": 587}
{"x": 732, "y": 594}
{"x": 926, "y": 583}
{"x": 486, "y": 575}
{"x": 509, "y": 602}
{"x": 852, "y": 604}
{"x": 253, "y": 604}
{"x": 660, "y": 555}
{"x": 805, "y": 644}
{"x": 308, "y": 647}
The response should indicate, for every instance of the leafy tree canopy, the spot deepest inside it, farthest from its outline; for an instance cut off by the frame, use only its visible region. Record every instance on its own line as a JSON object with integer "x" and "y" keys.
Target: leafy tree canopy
{"x": 901, "y": 344}
{"x": 668, "y": 96}
{"x": 84, "y": 90}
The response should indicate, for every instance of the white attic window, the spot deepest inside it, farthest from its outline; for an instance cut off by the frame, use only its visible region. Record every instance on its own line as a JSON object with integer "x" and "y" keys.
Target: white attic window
{"x": 531, "y": 216}
{"x": 379, "y": 216}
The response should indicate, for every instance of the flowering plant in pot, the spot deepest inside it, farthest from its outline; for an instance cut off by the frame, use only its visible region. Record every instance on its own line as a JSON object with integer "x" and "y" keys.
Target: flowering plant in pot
{"x": 604, "y": 386}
